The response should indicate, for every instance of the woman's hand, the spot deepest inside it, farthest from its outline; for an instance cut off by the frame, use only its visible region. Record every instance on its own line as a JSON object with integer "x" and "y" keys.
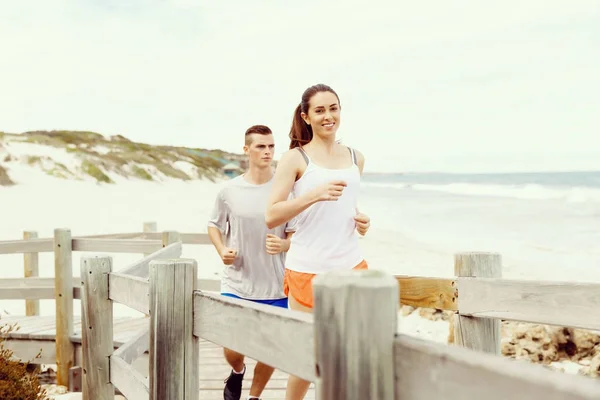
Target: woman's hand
{"x": 330, "y": 191}
{"x": 276, "y": 245}
{"x": 363, "y": 223}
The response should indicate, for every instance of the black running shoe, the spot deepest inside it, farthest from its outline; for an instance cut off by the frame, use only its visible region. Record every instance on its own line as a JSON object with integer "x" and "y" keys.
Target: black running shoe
{"x": 233, "y": 386}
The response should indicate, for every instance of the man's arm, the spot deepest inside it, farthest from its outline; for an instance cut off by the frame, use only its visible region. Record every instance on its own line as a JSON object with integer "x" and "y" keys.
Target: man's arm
{"x": 216, "y": 238}
{"x": 226, "y": 254}
{"x": 217, "y": 223}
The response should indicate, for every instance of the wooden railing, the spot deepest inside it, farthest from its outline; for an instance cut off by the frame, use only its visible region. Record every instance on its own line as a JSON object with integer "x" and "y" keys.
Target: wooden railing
{"x": 350, "y": 309}
{"x": 349, "y": 346}
{"x": 63, "y": 287}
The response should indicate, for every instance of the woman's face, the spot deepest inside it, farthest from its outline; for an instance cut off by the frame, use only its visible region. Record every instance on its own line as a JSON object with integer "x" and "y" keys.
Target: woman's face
{"x": 323, "y": 114}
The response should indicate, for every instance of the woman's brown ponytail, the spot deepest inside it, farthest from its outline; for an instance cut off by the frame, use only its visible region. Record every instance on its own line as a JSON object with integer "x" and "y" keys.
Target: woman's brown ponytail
{"x": 301, "y": 133}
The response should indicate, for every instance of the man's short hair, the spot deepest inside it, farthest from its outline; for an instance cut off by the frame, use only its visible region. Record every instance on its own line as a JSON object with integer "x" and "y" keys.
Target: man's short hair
{"x": 258, "y": 129}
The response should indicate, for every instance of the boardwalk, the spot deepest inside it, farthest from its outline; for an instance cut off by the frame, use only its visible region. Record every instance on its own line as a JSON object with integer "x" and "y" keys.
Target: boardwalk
{"x": 349, "y": 345}
{"x": 38, "y": 332}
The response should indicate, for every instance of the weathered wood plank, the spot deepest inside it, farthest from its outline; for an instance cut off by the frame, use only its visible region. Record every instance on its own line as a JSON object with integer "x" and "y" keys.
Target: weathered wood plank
{"x": 63, "y": 294}
{"x": 29, "y": 325}
{"x": 30, "y": 288}
{"x": 134, "y": 348}
{"x": 31, "y": 269}
{"x": 185, "y": 238}
{"x": 45, "y": 245}
{"x": 28, "y": 292}
{"x": 125, "y": 235}
{"x": 116, "y": 245}
{"x": 140, "y": 268}
{"x": 355, "y": 323}
{"x": 220, "y": 320}
{"x": 173, "y": 347}
{"x": 170, "y": 237}
{"x": 76, "y": 379}
{"x": 150, "y": 227}
{"x": 128, "y": 380}
{"x": 44, "y": 328}
{"x": 28, "y": 350}
{"x": 427, "y": 292}
{"x": 555, "y": 303}
{"x": 481, "y": 334}
{"x": 34, "y": 282}
{"x": 427, "y": 370}
{"x": 189, "y": 274}
{"x": 131, "y": 291}
{"x": 97, "y": 328}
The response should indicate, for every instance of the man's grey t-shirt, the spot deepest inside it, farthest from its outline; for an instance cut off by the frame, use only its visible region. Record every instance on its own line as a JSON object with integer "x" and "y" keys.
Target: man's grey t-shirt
{"x": 239, "y": 213}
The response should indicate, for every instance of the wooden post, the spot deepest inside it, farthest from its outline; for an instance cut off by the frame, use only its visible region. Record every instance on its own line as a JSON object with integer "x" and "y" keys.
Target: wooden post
{"x": 63, "y": 295}
{"x": 170, "y": 237}
{"x": 482, "y": 334}
{"x": 174, "y": 350}
{"x": 76, "y": 380}
{"x": 150, "y": 227}
{"x": 355, "y": 324}
{"x": 31, "y": 269}
{"x": 96, "y": 328}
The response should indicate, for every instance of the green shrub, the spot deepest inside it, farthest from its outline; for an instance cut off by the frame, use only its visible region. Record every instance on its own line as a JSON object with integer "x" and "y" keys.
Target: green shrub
{"x": 171, "y": 171}
{"x": 32, "y": 160}
{"x": 95, "y": 172}
{"x": 141, "y": 173}
{"x": 60, "y": 171}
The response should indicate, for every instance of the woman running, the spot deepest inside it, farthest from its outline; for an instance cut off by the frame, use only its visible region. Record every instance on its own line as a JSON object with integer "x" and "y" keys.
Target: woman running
{"x": 323, "y": 177}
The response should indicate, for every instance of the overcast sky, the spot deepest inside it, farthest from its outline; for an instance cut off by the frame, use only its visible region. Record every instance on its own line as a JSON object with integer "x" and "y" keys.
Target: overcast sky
{"x": 424, "y": 85}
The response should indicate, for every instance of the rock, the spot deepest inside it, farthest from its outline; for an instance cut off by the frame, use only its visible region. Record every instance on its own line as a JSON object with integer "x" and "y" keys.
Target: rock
{"x": 407, "y": 310}
{"x": 77, "y": 396}
{"x": 548, "y": 344}
{"x": 53, "y": 391}
{"x": 594, "y": 368}
{"x": 434, "y": 314}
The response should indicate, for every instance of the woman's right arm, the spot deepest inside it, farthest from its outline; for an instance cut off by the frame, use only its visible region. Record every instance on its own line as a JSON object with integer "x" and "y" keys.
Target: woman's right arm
{"x": 281, "y": 209}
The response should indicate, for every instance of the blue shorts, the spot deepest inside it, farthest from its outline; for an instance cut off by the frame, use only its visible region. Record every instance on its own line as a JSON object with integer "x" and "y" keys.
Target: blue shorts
{"x": 283, "y": 303}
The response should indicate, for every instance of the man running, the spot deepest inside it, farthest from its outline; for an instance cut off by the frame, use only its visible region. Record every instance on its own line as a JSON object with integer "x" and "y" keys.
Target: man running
{"x": 253, "y": 254}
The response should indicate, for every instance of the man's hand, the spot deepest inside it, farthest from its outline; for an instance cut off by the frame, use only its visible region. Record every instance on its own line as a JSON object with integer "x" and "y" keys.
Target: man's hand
{"x": 228, "y": 255}
{"x": 363, "y": 222}
{"x": 276, "y": 245}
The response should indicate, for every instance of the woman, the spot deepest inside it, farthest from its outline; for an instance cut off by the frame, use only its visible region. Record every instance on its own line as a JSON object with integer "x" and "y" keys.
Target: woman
{"x": 323, "y": 177}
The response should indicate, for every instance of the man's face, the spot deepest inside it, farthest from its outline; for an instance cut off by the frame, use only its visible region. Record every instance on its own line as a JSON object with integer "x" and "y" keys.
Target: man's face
{"x": 260, "y": 150}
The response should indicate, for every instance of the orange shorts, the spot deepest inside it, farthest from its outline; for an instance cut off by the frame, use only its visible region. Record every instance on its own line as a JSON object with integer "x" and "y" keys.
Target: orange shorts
{"x": 299, "y": 285}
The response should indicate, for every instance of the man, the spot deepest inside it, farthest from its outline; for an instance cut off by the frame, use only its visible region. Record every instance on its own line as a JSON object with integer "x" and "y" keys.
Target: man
{"x": 254, "y": 255}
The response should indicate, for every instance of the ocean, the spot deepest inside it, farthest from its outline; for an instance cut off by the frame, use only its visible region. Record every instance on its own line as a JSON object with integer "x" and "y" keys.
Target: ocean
{"x": 579, "y": 186}
{"x": 545, "y": 225}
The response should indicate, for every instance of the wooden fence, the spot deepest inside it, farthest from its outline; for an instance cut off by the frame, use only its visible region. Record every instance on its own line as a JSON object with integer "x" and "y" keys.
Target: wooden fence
{"x": 349, "y": 346}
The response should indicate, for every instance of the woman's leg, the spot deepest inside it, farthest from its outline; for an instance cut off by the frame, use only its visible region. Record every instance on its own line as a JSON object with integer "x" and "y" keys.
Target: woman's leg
{"x": 296, "y": 387}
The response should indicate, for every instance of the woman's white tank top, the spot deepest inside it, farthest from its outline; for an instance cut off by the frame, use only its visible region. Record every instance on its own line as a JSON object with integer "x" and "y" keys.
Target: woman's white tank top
{"x": 325, "y": 237}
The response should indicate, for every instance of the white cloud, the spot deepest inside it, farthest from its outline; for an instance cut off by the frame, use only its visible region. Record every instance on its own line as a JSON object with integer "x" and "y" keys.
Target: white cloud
{"x": 422, "y": 84}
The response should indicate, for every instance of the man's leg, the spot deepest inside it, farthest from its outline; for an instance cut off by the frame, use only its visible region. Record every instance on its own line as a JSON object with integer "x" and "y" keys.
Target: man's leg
{"x": 233, "y": 384}
{"x": 262, "y": 374}
{"x": 234, "y": 359}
